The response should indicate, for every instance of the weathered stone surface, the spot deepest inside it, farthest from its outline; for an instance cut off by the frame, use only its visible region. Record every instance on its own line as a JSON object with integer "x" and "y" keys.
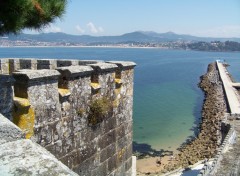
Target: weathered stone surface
{"x": 6, "y": 95}
{"x": 8, "y": 131}
{"x": 65, "y": 63}
{"x": 101, "y": 66}
{"x": 14, "y": 65}
{"x": 85, "y": 62}
{"x": 46, "y": 64}
{"x": 4, "y": 66}
{"x": 28, "y": 64}
{"x": 61, "y": 102}
{"x": 23, "y": 157}
{"x": 27, "y": 74}
{"x": 73, "y": 71}
{"x": 123, "y": 64}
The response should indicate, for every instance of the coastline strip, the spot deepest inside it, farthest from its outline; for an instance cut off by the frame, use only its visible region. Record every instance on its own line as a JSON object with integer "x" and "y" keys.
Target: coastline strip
{"x": 232, "y": 97}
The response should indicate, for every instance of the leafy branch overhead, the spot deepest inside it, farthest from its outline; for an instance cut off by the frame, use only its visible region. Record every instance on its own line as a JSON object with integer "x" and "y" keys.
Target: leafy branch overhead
{"x": 16, "y": 15}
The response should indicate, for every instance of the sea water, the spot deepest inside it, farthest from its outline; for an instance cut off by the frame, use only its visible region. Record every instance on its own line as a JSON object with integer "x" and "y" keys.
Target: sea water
{"x": 167, "y": 100}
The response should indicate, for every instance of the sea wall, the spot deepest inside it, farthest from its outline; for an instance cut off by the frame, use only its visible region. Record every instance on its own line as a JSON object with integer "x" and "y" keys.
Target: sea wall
{"x": 210, "y": 137}
{"x": 80, "y": 111}
{"x": 211, "y": 167}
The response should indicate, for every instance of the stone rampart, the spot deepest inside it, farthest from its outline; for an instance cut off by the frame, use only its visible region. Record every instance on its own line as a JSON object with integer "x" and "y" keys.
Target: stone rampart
{"x": 80, "y": 111}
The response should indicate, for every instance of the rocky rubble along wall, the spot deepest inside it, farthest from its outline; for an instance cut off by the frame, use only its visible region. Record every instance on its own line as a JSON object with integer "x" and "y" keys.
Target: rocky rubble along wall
{"x": 60, "y": 100}
{"x": 213, "y": 111}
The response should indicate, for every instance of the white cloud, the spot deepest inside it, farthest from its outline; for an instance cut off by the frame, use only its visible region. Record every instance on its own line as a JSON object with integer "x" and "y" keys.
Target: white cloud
{"x": 52, "y": 28}
{"x": 100, "y": 29}
{"x": 94, "y": 29}
{"x": 223, "y": 31}
{"x": 79, "y": 29}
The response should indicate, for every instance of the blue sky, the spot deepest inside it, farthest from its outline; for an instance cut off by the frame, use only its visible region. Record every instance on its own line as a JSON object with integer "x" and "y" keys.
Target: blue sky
{"x": 213, "y": 18}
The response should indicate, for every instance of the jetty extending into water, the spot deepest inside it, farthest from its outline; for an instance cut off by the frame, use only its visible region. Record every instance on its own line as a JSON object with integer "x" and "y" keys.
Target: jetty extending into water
{"x": 229, "y": 89}
{"x": 220, "y": 115}
{"x": 227, "y": 160}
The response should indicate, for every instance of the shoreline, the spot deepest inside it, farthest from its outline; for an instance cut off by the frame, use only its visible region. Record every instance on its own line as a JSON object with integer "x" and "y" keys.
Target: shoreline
{"x": 82, "y": 46}
{"x": 113, "y": 46}
{"x": 208, "y": 139}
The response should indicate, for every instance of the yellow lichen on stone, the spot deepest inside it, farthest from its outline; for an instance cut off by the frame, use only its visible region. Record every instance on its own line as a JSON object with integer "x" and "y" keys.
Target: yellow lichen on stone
{"x": 21, "y": 102}
{"x": 24, "y": 116}
{"x": 118, "y": 81}
{"x": 121, "y": 154}
{"x": 95, "y": 86}
{"x": 116, "y": 101}
{"x": 63, "y": 92}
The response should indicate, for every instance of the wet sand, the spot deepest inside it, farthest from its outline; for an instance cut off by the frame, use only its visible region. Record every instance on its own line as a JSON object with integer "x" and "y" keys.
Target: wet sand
{"x": 150, "y": 165}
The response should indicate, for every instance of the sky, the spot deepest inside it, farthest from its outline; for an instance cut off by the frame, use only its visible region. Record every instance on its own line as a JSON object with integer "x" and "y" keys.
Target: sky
{"x": 208, "y": 18}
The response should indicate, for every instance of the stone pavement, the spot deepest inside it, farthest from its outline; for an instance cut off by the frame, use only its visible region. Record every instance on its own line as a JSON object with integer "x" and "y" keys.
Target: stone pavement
{"x": 230, "y": 164}
{"x": 232, "y": 96}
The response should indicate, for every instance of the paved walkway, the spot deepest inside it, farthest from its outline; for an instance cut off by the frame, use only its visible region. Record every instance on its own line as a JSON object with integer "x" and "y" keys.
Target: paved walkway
{"x": 230, "y": 164}
{"x": 232, "y": 96}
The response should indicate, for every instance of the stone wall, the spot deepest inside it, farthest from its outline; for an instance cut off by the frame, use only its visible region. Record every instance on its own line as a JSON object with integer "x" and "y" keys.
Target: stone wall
{"x": 81, "y": 111}
{"x": 210, "y": 169}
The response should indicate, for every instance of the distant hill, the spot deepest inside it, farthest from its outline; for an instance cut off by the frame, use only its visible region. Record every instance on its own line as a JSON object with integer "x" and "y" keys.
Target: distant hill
{"x": 134, "y": 37}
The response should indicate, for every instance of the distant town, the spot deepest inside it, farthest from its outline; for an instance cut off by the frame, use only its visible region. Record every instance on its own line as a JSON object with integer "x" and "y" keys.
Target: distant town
{"x": 136, "y": 39}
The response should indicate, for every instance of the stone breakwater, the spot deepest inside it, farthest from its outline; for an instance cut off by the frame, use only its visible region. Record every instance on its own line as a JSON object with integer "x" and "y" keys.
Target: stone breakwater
{"x": 210, "y": 136}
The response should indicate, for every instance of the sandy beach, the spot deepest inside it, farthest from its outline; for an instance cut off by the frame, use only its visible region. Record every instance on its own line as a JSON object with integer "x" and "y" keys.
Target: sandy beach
{"x": 149, "y": 165}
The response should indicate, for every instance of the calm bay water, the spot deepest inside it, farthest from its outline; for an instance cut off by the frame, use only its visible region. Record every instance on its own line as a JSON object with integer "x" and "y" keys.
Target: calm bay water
{"x": 167, "y": 100}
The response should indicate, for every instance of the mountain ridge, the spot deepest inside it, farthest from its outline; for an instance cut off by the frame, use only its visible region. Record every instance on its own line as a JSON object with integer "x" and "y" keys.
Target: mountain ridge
{"x": 137, "y": 36}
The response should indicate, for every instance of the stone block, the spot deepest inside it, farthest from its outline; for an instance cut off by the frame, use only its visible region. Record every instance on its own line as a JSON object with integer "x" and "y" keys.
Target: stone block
{"x": 9, "y": 131}
{"x": 103, "y": 67}
{"x": 87, "y": 151}
{"x": 6, "y": 95}
{"x": 74, "y": 71}
{"x": 85, "y": 62}
{"x": 112, "y": 164}
{"x": 4, "y": 66}
{"x": 109, "y": 124}
{"x": 66, "y": 63}
{"x": 100, "y": 171}
{"x": 43, "y": 135}
{"x": 14, "y": 65}
{"x": 46, "y": 64}
{"x": 29, "y": 158}
{"x": 28, "y": 64}
{"x": 121, "y": 131}
{"x": 123, "y": 64}
{"x": 107, "y": 152}
{"x": 128, "y": 165}
{"x": 71, "y": 159}
{"x": 107, "y": 139}
{"x": 85, "y": 168}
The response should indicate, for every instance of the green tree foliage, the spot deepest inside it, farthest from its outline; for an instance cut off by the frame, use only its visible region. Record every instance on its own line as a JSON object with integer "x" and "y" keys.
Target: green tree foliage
{"x": 16, "y": 15}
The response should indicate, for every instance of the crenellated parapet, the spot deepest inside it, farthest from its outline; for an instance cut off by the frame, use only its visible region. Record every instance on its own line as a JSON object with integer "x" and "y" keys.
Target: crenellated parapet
{"x": 79, "y": 110}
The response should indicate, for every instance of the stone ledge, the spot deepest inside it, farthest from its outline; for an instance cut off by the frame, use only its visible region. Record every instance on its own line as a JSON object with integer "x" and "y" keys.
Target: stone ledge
{"x": 123, "y": 64}
{"x": 8, "y": 131}
{"x": 102, "y": 67}
{"x": 85, "y": 62}
{"x": 36, "y": 74}
{"x": 73, "y": 71}
{"x": 23, "y": 157}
